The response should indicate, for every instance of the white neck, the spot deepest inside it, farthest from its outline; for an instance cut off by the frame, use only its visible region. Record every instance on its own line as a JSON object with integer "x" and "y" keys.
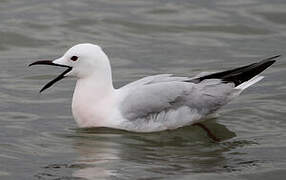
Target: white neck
{"x": 96, "y": 85}
{"x": 95, "y": 90}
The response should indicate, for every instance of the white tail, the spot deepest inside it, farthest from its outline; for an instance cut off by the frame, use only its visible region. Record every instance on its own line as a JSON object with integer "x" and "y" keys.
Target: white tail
{"x": 250, "y": 82}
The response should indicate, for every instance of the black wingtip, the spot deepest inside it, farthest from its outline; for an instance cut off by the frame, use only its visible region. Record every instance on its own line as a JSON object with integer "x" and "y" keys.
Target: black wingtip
{"x": 240, "y": 74}
{"x": 270, "y": 59}
{"x": 275, "y": 57}
{"x": 41, "y": 90}
{"x": 32, "y": 64}
{"x": 245, "y": 74}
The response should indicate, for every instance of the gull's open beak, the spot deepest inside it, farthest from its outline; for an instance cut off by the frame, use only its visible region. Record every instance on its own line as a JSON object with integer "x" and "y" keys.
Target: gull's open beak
{"x": 51, "y": 63}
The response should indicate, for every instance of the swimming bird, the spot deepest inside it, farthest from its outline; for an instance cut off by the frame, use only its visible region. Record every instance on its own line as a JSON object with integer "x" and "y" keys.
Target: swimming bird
{"x": 150, "y": 104}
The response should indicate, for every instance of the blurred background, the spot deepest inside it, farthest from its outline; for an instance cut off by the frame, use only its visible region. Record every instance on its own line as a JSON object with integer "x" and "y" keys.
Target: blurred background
{"x": 39, "y": 138}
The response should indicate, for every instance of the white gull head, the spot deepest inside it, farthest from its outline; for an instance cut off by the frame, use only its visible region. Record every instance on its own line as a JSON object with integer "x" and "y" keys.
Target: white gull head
{"x": 85, "y": 59}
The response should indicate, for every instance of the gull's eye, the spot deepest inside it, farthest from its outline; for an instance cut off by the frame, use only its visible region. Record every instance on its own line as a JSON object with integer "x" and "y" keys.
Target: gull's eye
{"x": 74, "y": 58}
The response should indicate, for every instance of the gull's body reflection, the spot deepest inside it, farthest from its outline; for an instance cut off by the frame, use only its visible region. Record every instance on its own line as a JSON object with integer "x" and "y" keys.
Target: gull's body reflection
{"x": 106, "y": 153}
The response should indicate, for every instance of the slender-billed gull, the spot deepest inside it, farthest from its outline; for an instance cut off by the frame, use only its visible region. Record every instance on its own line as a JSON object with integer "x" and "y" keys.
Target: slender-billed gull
{"x": 153, "y": 103}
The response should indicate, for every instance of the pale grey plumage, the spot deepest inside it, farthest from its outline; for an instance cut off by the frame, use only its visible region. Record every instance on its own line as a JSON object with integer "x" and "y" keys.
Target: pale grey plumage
{"x": 164, "y": 93}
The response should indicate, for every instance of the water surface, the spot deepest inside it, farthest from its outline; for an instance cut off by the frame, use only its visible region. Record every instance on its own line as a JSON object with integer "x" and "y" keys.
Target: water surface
{"x": 39, "y": 138}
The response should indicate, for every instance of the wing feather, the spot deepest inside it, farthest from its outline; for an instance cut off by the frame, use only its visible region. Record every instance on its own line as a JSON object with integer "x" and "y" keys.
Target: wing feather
{"x": 154, "y": 96}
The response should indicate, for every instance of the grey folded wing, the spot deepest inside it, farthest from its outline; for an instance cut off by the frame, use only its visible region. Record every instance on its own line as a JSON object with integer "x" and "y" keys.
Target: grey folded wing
{"x": 154, "y": 94}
